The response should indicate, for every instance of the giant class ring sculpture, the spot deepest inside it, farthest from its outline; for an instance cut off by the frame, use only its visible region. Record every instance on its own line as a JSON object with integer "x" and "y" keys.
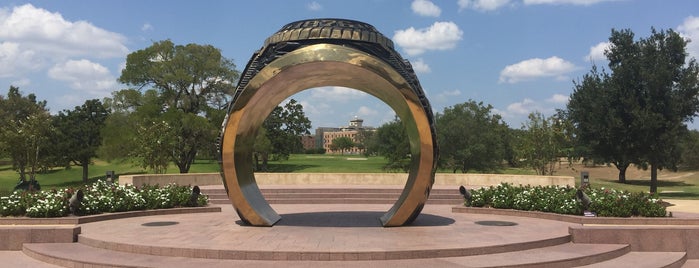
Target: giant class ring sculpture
{"x": 315, "y": 53}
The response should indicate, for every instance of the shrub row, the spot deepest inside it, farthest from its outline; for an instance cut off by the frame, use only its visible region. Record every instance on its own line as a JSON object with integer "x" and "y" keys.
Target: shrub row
{"x": 563, "y": 200}
{"x": 98, "y": 198}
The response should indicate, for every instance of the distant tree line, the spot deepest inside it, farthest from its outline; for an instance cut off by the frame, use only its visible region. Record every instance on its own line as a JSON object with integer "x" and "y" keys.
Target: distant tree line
{"x": 634, "y": 112}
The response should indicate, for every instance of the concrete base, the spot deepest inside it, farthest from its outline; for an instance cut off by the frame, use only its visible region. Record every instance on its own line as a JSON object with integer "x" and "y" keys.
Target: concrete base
{"x": 347, "y": 179}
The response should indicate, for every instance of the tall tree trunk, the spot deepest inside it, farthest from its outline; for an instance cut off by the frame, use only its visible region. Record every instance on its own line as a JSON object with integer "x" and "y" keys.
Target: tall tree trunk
{"x": 653, "y": 179}
{"x": 622, "y": 167}
{"x": 185, "y": 162}
{"x": 265, "y": 158}
{"x": 85, "y": 165}
{"x": 256, "y": 158}
{"x": 622, "y": 173}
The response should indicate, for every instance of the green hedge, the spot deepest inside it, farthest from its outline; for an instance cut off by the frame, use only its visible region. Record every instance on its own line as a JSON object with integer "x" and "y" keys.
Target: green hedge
{"x": 562, "y": 200}
{"x": 98, "y": 198}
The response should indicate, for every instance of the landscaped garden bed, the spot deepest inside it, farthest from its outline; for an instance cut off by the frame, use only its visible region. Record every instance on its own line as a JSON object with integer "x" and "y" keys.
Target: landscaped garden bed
{"x": 564, "y": 200}
{"x": 99, "y": 197}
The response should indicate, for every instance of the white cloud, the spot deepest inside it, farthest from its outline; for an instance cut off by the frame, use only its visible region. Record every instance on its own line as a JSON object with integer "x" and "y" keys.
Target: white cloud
{"x": 314, "y": 6}
{"x": 420, "y": 66}
{"x": 447, "y": 96}
{"x": 425, "y": 8}
{"x": 85, "y": 76}
{"x": 558, "y": 99}
{"x": 439, "y": 36}
{"x": 565, "y": 2}
{"x": 597, "y": 52}
{"x": 337, "y": 94}
{"x": 50, "y": 35}
{"x": 14, "y": 61}
{"x": 524, "y": 107}
{"x": 21, "y": 82}
{"x": 536, "y": 68}
{"x": 146, "y": 27}
{"x": 482, "y": 5}
{"x": 364, "y": 112}
{"x": 690, "y": 29}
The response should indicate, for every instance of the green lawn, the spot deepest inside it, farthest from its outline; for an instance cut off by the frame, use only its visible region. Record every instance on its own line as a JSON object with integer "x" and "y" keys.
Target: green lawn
{"x": 685, "y": 187}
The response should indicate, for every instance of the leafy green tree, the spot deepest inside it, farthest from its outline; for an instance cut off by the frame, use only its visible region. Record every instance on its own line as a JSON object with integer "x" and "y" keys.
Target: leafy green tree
{"x": 261, "y": 150}
{"x": 190, "y": 81}
{"x": 653, "y": 90}
{"x": 391, "y": 142}
{"x": 342, "y": 144}
{"x": 598, "y": 111}
{"x": 188, "y": 77}
{"x": 365, "y": 141}
{"x": 471, "y": 137}
{"x": 690, "y": 151}
{"x": 78, "y": 133}
{"x": 284, "y": 127}
{"x": 154, "y": 145}
{"x": 539, "y": 144}
{"x": 25, "y": 133}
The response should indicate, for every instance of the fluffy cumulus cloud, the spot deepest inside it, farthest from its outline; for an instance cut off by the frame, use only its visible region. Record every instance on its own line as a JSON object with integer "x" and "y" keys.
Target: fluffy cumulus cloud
{"x": 366, "y": 112}
{"x": 536, "y": 68}
{"x": 597, "y": 52}
{"x": 14, "y": 61}
{"x": 85, "y": 76}
{"x": 690, "y": 29}
{"x": 34, "y": 41}
{"x": 524, "y": 107}
{"x": 425, "y": 8}
{"x": 314, "y": 6}
{"x": 439, "y": 36}
{"x": 337, "y": 94}
{"x": 420, "y": 66}
{"x": 482, "y": 5}
{"x": 558, "y": 99}
{"x": 49, "y": 33}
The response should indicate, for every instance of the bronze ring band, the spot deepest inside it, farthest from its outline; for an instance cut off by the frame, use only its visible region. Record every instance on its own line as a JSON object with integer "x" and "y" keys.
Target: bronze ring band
{"x": 315, "y": 65}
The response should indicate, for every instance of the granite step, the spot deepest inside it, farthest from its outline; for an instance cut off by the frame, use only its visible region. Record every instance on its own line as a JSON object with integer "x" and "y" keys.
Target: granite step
{"x": 564, "y": 255}
{"x": 337, "y": 196}
{"x": 644, "y": 260}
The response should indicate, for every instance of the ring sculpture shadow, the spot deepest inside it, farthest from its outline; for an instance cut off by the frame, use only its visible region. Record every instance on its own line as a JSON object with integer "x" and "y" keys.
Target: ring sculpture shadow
{"x": 315, "y": 53}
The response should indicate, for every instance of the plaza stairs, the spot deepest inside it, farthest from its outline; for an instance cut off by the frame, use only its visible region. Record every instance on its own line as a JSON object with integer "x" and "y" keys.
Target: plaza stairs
{"x": 330, "y": 194}
{"x": 348, "y": 236}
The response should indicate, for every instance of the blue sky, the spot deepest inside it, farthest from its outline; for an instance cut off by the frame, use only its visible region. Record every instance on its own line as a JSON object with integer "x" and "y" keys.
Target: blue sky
{"x": 518, "y": 55}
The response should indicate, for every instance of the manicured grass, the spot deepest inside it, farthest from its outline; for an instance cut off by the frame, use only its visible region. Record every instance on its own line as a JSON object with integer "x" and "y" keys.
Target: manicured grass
{"x": 313, "y": 163}
{"x": 683, "y": 185}
{"x": 685, "y": 188}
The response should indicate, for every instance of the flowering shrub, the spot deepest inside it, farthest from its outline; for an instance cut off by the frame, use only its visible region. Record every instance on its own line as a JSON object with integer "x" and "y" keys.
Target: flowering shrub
{"x": 562, "y": 200}
{"x": 98, "y": 198}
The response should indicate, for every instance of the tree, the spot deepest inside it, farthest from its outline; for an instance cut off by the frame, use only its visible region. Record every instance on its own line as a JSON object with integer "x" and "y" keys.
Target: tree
{"x": 598, "y": 111}
{"x": 190, "y": 81}
{"x": 79, "y": 133}
{"x": 690, "y": 151}
{"x": 154, "y": 145}
{"x": 342, "y": 144}
{"x": 365, "y": 139}
{"x": 261, "y": 149}
{"x": 25, "y": 133}
{"x": 391, "y": 141}
{"x": 471, "y": 138}
{"x": 285, "y": 126}
{"x": 538, "y": 145}
{"x": 653, "y": 89}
